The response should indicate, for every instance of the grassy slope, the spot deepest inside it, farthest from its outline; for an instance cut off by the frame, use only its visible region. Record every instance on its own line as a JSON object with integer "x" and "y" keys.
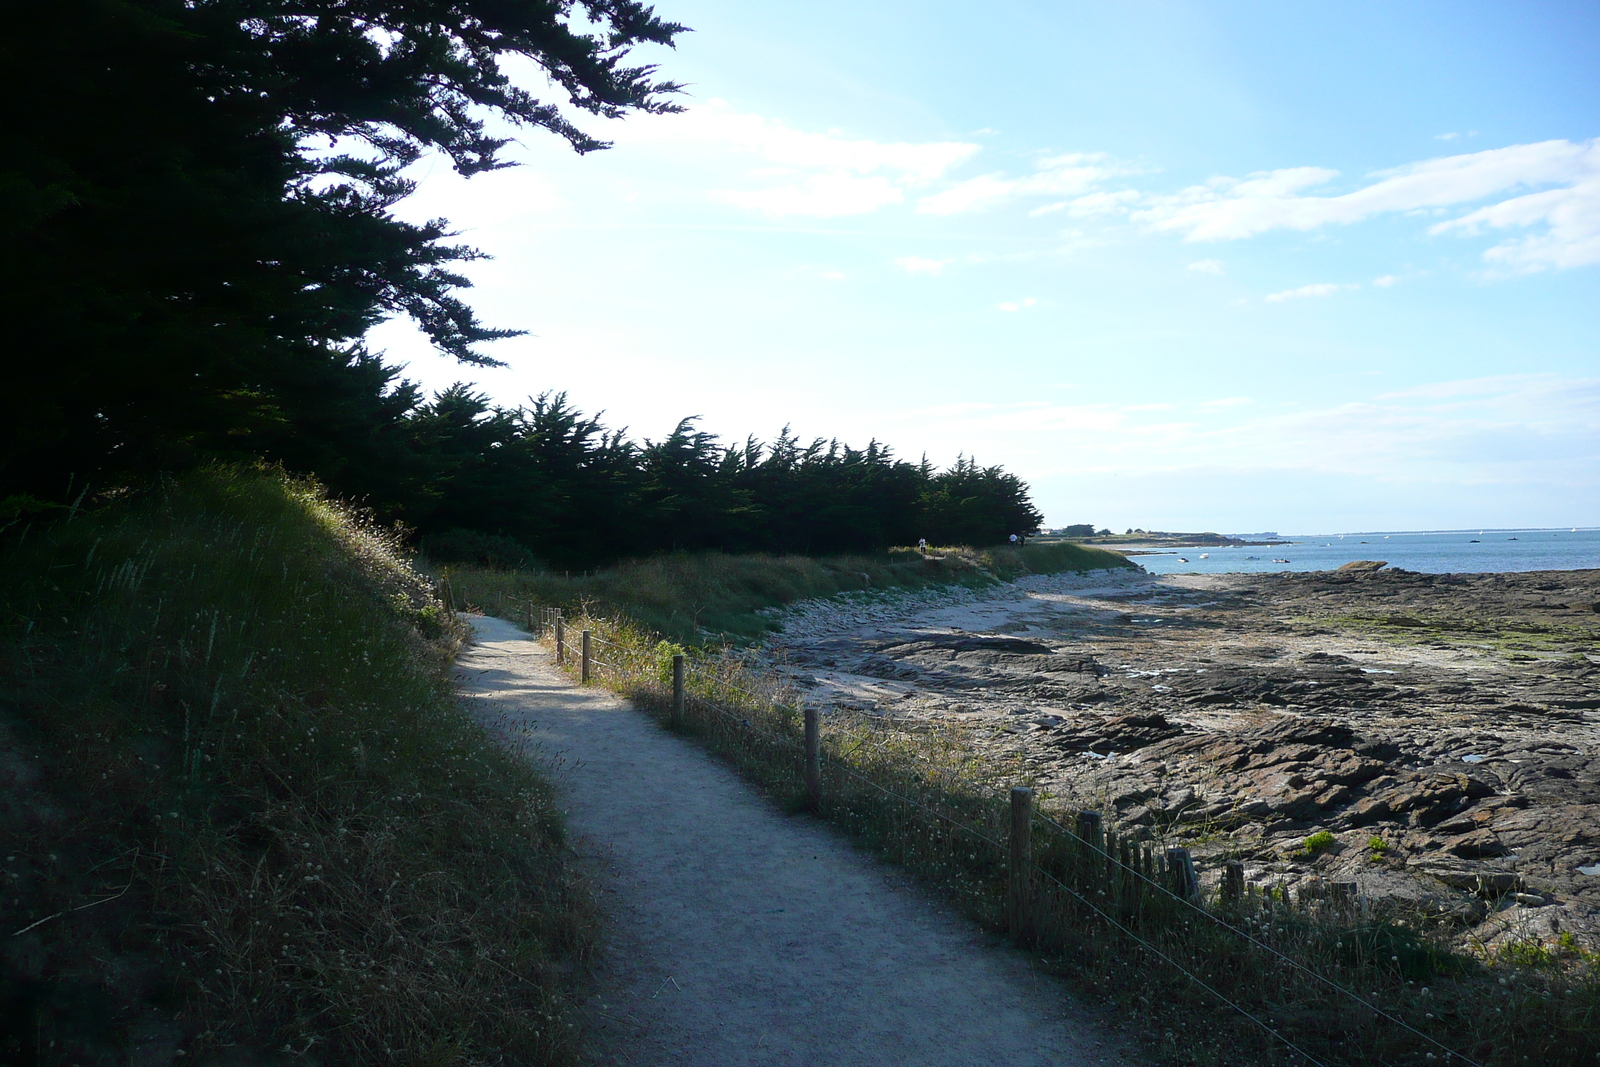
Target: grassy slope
{"x": 717, "y": 596}
{"x": 226, "y": 726}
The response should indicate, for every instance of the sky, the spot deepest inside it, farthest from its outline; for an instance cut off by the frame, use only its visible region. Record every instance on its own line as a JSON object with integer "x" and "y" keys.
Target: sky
{"x": 1238, "y": 266}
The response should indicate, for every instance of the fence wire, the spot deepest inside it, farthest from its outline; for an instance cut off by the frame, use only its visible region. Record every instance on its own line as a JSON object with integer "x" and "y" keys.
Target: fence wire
{"x": 836, "y": 762}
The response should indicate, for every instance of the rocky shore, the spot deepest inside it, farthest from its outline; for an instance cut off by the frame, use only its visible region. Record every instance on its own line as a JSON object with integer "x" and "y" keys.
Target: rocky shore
{"x": 1435, "y": 738}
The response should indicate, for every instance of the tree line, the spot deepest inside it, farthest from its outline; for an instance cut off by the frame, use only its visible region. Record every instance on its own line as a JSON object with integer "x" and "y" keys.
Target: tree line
{"x": 200, "y": 231}
{"x": 545, "y": 483}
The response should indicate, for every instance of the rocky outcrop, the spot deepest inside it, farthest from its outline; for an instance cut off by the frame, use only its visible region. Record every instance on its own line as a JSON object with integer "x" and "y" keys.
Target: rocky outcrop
{"x": 1444, "y": 728}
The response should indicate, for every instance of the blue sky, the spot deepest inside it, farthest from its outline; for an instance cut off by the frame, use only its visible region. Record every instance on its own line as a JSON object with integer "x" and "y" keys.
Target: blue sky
{"x": 1242, "y": 266}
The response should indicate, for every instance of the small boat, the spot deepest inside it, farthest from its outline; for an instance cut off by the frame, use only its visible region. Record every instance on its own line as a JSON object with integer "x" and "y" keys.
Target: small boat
{"x": 1205, "y": 555}
{"x": 1181, "y": 559}
{"x": 1474, "y": 541}
{"x": 1280, "y": 561}
{"x": 1511, "y": 539}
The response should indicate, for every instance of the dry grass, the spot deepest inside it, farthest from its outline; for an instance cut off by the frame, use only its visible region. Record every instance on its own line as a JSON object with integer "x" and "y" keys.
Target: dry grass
{"x": 1175, "y": 974}
{"x": 717, "y": 598}
{"x": 239, "y": 694}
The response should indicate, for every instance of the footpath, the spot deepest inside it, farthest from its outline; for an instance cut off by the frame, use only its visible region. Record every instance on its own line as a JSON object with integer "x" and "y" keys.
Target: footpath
{"x": 738, "y": 935}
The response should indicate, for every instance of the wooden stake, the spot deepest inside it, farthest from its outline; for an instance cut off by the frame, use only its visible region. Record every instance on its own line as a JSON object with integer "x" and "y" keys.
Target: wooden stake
{"x": 1233, "y": 881}
{"x": 1089, "y": 844}
{"x": 1019, "y": 910}
{"x": 585, "y": 668}
{"x": 1180, "y": 869}
{"x": 561, "y": 641}
{"x": 813, "y": 719}
{"x": 677, "y": 689}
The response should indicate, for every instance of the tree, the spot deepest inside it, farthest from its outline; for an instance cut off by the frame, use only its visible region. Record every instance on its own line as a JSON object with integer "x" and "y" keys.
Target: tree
{"x": 199, "y": 193}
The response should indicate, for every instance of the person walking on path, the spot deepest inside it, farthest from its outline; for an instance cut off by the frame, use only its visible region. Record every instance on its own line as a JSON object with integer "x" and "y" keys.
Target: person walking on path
{"x": 737, "y": 935}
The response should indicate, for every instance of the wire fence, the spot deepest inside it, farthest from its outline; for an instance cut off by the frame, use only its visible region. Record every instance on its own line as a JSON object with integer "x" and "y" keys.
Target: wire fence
{"x": 1099, "y": 901}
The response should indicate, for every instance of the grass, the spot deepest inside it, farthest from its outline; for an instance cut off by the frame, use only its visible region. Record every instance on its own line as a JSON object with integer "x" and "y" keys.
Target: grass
{"x": 915, "y": 794}
{"x": 1318, "y": 841}
{"x": 717, "y": 598}
{"x": 255, "y": 817}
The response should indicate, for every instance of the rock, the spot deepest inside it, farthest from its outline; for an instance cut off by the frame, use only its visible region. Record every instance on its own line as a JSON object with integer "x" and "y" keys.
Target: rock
{"x": 1364, "y": 565}
{"x": 1124, "y": 733}
{"x": 1477, "y": 845}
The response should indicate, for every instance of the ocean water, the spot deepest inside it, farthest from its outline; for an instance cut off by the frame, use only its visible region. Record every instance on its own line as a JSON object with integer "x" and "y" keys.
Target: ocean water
{"x": 1430, "y": 551}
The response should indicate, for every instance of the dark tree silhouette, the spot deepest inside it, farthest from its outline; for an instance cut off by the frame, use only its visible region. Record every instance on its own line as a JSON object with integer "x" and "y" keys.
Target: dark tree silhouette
{"x": 199, "y": 194}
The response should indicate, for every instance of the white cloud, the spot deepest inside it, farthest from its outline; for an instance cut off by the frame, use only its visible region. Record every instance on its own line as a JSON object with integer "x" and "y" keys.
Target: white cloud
{"x": 1018, "y": 305}
{"x": 1229, "y": 209}
{"x": 826, "y": 195}
{"x": 919, "y": 265}
{"x": 1322, "y": 289}
{"x": 822, "y": 175}
{"x": 1385, "y": 280}
{"x": 717, "y": 123}
{"x": 1226, "y": 402}
{"x": 1207, "y": 266}
{"x": 1445, "y": 136}
{"x": 1069, "y": 176}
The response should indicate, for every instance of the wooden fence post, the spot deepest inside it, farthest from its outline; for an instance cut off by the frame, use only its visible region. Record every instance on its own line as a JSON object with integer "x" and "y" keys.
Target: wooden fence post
{"x": 1089, "y": 824}
{"x": 1019, "y": 902}
{"x": 677, "y": 689}
{"x": 584, "y": 674}
{"x": 561, "y": 641}
{"x": 813, "y": 719}
{"x": 1180, "y": 869}
{"x": 1233, "y": 881}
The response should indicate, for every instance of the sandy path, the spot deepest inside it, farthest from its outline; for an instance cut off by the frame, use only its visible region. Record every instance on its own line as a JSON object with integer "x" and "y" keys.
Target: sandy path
{"x": 738, "y": 935}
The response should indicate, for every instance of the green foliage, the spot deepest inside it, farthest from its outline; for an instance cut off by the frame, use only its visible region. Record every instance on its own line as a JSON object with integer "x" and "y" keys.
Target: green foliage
{"x": 1377, "y": 845}
{"x": 238, "y": 697}
{"x": 1318, "y": 841}
{"x": 664, "y": 651}
{"x": 200, "y": 221}
{"x": 546, "y": 481}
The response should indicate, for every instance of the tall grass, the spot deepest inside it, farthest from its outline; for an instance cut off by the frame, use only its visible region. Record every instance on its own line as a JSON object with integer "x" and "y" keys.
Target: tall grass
{"x": 713, "y": 597}
{"x": 1186, "y": 976}
{"x": 239, "y": 695}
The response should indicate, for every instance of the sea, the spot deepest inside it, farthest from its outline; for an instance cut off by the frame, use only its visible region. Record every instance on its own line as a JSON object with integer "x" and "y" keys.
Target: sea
{"x": 1429, "y": 551}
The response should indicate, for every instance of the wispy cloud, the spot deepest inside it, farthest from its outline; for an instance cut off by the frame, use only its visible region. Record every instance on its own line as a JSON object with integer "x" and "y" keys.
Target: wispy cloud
{"x": 1321, "y": 289}
{"x": 821, "y": 175}
{"x": 1207, "y": 266}
{"x": 1568, "y": 205}
{"x": 920, "y": 265}
{"x": 1544, "y": 198}
{"x": 1384, "y": 281}
{"x": 1059, "y": 176}
{"x": 1018, "y": 305}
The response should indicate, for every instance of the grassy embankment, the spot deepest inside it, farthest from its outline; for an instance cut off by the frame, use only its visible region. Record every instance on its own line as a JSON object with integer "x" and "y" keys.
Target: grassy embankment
{"x": 241, "y": 807}
{"x": 718, "y": 598}
{"x": 915, "y": 794}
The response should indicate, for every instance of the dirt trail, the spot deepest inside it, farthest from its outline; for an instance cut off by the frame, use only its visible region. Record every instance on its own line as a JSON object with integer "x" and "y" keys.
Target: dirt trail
{"x": 738, "y": 935}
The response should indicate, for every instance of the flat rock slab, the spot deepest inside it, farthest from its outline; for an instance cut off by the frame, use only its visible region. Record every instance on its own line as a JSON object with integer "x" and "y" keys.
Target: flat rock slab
{"x": 738, "y": 935}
